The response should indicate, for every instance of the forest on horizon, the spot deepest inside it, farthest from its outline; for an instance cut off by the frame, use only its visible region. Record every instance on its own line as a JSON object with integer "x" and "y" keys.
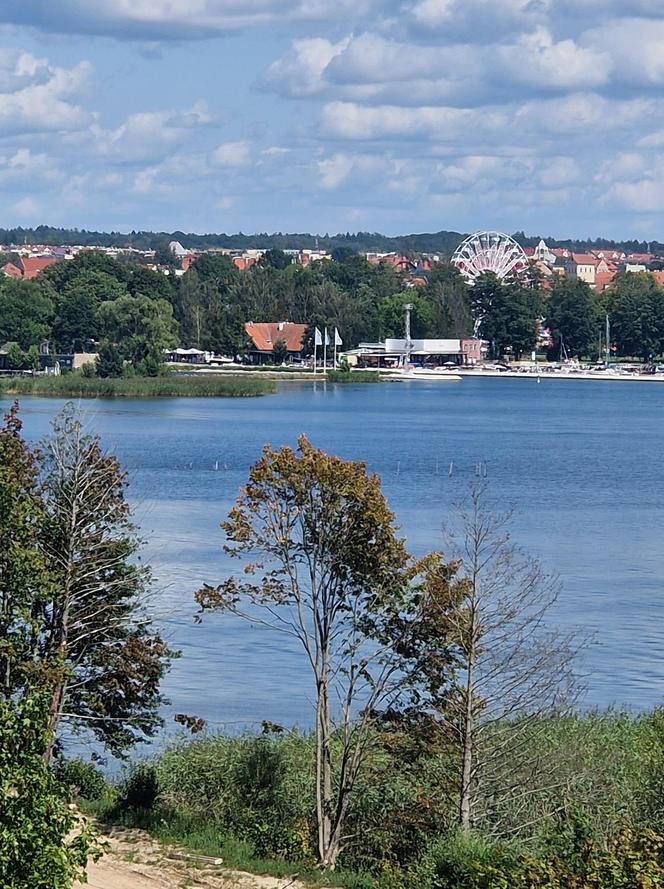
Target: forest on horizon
{"x": 444, "y": 242}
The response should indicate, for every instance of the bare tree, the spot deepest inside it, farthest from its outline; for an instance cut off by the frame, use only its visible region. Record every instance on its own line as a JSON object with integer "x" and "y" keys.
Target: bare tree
{"x": 324, "y": 566}
{"x": 484, "y": 622}
{"x": 515, "y": 668}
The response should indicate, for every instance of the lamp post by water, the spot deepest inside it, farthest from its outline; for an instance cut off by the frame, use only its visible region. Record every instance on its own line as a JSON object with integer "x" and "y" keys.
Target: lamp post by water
{"x": 409, "y": 343}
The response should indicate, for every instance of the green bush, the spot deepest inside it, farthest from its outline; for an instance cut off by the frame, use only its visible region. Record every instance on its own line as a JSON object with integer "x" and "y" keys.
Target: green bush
{"x": 465, "y": 862}
{"x": 627, "y": 860}
{"x": 354, "y": 376}
{"x": 139, "y": 790}
{"x": 43, "y": 844}
{"x": 81, "y": 777}
{"x": 258, "y": 789}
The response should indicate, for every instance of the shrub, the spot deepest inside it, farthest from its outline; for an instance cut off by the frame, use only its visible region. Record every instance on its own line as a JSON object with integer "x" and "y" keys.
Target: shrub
{"x": 139, "y": 790}
{"x": 81, "y": 777}
{"x": 43, "y": 844}
{"x": 465, "y": 862}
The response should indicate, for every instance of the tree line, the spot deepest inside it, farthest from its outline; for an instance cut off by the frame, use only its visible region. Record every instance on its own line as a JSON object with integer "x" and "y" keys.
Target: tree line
{"x": 130, "y": 315}
{"x": 510, "y": 313}
{"x": 442, "y": 242}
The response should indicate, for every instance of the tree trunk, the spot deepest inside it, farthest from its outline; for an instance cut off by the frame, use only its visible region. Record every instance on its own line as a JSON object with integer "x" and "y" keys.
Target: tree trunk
{"x": 465, "y": 796}
{"x": 326, "y": 853}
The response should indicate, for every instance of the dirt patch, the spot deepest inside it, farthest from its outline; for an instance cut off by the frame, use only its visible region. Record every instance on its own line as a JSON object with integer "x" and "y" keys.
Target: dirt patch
{"x": 135, "y": 861}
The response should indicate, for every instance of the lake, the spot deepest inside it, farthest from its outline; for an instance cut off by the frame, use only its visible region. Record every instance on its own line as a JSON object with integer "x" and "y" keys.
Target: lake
{"x": 581, "y": 461}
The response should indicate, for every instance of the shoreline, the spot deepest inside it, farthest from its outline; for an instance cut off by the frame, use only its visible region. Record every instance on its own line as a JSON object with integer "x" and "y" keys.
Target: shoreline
{"x": 563, "y": 375}
{"x": 213, "y": 383}
{"x": 384, "y": 376}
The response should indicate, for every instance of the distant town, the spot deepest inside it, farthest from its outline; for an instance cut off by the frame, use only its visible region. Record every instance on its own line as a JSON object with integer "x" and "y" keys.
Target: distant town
{"x": 109, "y": 309}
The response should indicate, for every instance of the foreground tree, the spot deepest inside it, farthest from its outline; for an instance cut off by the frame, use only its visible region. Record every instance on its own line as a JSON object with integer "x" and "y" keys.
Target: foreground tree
{"x": 484, "y": 615}
{"x": 106, "y": 660}
{"x": 43, "y": 843}
{"x": 516, "y": 672}
{"x": 73, "y": 620}
{"x": 324, "y": 565}
{"x": 24, "y": 578}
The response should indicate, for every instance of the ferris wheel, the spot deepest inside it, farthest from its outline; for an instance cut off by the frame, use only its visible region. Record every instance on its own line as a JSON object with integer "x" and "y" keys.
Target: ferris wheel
{"x": 489, "y": 252}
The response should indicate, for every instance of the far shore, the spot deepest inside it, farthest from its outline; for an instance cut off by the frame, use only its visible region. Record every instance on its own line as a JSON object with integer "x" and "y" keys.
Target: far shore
{"x": 287, "y": 375}
{"x": 562, "y": 375}
{"x": 230, "y": 382}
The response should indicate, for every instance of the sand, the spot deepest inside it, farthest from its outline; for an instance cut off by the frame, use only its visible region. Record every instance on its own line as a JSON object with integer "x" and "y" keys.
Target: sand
{"x": 134, "y": 861}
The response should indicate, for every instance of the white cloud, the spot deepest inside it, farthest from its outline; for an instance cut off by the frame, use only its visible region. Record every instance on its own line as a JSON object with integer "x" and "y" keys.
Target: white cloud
{"x": 350, "y": 120}
{"x": 27, "y": 208}
{"x": 644, "y": 196}
{"x": 374, "y": 69}
{"x": 479, "y": 17}
{"x": 300, "y": 71}
{"x": 35, "y": 95}
{"x": 652, "y": 140}
{"x": 536, "y": 60}
{"x": 170, "y": 19}
{"x": 231, "y": 154}
{"x": 148, "y": 135}
{"x": 337, "y": 169}
{"x": 24, "y": 166}
{"x": 635, "y": 48}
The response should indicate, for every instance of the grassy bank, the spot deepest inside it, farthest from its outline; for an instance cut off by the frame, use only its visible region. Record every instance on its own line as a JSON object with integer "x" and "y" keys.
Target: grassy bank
{"x": 354, "y": 376}
{"x": 249, "y": 800}
{"x": 75, "y": 385}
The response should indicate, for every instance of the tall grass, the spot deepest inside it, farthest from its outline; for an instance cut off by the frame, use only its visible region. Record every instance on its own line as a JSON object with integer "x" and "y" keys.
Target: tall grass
{"x": 250, "y": 800}
{"x": 353, "y": 376}
{"x": 75, "y": 385}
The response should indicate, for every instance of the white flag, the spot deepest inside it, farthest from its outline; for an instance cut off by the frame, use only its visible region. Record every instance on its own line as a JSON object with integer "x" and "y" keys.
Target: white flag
{"x": 337, "y": 339}
{"x": 318, "y": 338}
{"x": 327, "y": 337}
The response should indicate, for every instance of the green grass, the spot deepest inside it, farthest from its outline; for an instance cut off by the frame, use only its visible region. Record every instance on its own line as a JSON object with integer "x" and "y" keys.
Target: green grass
{"x": 75, "y": 385}
{"x": 354, "y": 376}
{"x": 207, "y": 838}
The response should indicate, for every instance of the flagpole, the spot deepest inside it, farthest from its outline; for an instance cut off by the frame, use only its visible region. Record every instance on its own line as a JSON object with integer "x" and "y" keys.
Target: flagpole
{"x": 335, "y": 348}
{"x": 325, "y": 351}
{"x": 315, "y": 348}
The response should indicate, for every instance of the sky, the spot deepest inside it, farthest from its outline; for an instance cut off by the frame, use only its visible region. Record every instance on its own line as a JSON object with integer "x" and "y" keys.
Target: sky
{"x": 334, "y": 115}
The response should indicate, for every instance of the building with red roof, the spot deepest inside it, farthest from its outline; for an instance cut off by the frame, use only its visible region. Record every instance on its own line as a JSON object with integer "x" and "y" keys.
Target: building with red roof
{"x": 11, "y": 270}
{"x": 582, "y": 266}
{"x": 27, "y": 267}
{"x": 264, "y": 336}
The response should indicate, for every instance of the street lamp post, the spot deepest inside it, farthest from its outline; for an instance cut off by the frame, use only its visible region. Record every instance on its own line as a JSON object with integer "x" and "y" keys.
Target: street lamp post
{"x": 409, "y": 343}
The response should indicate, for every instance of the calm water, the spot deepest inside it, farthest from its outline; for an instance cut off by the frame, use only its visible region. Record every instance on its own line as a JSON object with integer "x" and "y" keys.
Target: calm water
{"x": 582, "y": 462}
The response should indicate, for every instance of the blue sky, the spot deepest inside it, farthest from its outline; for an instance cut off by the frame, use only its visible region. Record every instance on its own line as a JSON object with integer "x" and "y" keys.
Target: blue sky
{"x": 311, "y": 115}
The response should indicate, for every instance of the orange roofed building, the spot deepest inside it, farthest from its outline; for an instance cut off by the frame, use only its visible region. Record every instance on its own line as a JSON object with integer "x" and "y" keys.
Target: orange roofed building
{"x": 264, "y": 337}
{"x": 27, "y": 267}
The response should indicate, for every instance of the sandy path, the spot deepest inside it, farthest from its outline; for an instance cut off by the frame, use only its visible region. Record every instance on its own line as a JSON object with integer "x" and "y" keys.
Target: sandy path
{"x": 134, "y": 861}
